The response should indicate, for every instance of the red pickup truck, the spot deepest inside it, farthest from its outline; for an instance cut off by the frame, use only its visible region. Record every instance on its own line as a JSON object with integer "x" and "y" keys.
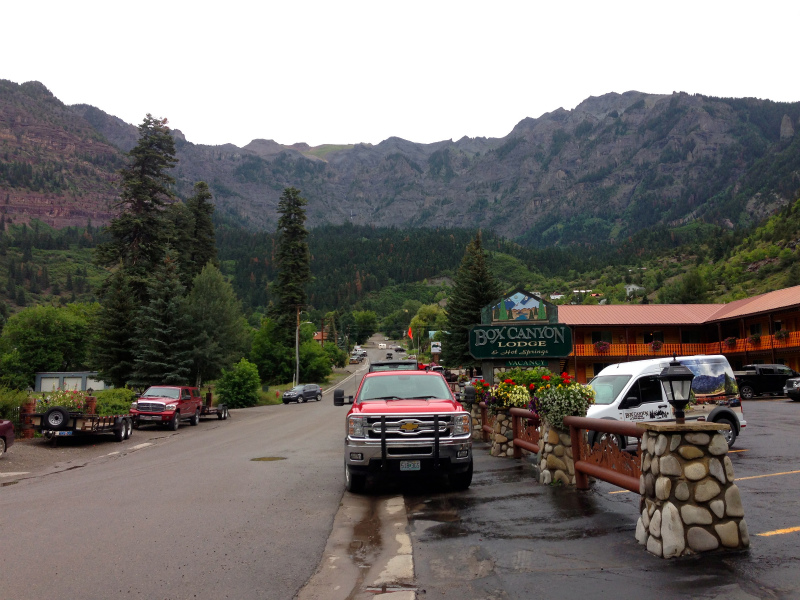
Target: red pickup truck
{"x": 406, "y": 423}
{"x": 167, "y": 405}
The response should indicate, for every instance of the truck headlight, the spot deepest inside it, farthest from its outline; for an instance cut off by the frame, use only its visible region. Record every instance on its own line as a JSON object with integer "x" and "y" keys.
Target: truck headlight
{"x": 134, "y": 406}
{"x": 355, "y": 426}
{"x": 171, "y": 407}
{"x": 462, "y": 424}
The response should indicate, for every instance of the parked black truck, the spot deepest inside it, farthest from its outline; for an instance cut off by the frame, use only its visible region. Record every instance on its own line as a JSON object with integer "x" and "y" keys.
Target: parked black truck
{"x": 754, "y": 380}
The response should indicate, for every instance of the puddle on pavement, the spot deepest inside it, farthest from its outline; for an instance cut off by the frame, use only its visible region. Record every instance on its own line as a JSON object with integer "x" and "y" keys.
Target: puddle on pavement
{"x": 365, "y": 544}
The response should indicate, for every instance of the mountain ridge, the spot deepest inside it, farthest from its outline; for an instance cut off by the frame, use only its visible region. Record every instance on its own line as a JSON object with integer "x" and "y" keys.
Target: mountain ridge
{"x": 613, "y": 165}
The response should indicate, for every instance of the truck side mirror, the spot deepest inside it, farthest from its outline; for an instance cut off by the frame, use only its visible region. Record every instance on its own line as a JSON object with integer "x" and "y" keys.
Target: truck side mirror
{"x": 469, "y": 394}
{"x": 338, "y": 397}
{"x": 629, "y": 401}
{"x": 349, "y": 399}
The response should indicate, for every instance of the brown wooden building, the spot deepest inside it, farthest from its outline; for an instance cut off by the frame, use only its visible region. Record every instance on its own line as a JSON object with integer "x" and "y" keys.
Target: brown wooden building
{"x": 761, "y": 329}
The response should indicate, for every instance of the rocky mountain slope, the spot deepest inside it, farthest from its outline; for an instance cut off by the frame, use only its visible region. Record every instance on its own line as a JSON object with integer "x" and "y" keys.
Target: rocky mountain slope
{"x": 612, "y": 166}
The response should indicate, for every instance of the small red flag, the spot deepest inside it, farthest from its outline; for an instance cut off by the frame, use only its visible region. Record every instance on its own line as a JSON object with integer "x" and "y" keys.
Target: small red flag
{"x": 410, "y": 335}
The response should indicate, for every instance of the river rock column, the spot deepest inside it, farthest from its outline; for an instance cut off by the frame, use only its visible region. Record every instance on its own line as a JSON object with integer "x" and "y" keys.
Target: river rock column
{"x": 477, "y": 422}
{"x": 690, "y": 503}
{"x": 502, "y": 435}
{"x": 555, "y": 456}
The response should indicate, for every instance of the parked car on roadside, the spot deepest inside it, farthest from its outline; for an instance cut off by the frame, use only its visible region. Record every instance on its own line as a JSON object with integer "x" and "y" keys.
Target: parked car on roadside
{"x": 792, "y": 388}
{"x": 303, "y": 393}
{"x": 167, "y": 405}
{"x": 6, "y": 436}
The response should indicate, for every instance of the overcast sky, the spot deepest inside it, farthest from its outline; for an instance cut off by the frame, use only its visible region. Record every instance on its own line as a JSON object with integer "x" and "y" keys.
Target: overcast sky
{"x": 346, "y": 72}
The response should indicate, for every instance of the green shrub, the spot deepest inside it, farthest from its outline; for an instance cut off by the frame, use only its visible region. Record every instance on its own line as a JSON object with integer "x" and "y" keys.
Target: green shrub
{"x": 10, "y": 400}
{"x": 239, "y": 387}
{"x": 116, "y": 401}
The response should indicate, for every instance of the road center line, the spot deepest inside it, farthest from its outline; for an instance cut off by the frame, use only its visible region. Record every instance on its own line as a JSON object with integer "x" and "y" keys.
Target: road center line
{"x": 14, "y": 474}
{"x": 779, "y": 531}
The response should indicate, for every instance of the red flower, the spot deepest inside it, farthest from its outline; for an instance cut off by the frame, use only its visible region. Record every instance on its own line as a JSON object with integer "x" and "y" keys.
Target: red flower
{"x": 565, "y": 375}
{"x": 546, "y": 377}
{"x": 532, "y": 386}
{"x": 510, "y": 381}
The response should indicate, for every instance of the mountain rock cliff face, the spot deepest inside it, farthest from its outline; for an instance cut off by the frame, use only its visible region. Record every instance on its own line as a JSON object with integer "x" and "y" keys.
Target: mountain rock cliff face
{"x": 606, "y": 169}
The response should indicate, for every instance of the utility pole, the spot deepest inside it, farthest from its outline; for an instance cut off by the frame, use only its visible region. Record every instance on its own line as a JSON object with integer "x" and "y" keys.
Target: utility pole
{"x": 297, "y": 348}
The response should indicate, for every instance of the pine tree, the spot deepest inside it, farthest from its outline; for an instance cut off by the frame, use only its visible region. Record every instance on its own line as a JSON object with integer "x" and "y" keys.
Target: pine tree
{"x": 203, "y": 246}
{"x": 293, "y": 261}
{"x": 113, "y": 347}
{"x": 220, "y": 326}
{"x": 138, "y": 234}
{"x": 474, "y": 288}
{"x": 163, "y": 331}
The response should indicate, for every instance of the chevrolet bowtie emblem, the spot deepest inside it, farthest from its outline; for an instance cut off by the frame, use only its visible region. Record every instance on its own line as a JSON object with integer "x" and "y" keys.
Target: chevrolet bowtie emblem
{"x": 409, "y": 426}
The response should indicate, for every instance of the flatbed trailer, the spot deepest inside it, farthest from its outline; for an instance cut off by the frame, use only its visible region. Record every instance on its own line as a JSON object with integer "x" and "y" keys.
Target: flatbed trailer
{"x": 59, "y": 421}
{"x": 221, "y": 410}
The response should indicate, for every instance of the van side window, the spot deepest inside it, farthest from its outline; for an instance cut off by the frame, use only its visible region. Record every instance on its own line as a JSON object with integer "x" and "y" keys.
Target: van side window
{"x": 645, "y": 389}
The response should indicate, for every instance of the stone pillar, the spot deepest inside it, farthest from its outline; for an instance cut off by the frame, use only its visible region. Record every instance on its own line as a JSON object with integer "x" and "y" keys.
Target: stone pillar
{"x": 477, "y": 424}
{"x": 502, "y": 436}
{"x": 91, "y": 405}
{"x": 690, "y": 503}
{"x": 27, "y": 422}
{"x": 555, "y": 456}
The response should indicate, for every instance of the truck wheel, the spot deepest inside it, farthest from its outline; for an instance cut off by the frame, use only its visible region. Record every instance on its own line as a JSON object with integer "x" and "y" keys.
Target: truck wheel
{"x": 119, "y": 432}
{"x": 461, "y": 481}
{"x": 176, "y": 421}
{"x": 195, "y": 420}
{"x": 226, "y": 414}
{"x": 56, "y": 418}
{"x": 746, "y": 392}
{"x": 353, "y": 482}
{"x": 730, "y": 436}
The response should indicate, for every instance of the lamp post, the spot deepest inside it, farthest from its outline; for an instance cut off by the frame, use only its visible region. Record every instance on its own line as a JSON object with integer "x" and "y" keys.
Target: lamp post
{"x": 297, "y": 347}
{"x": 677, "y": 383}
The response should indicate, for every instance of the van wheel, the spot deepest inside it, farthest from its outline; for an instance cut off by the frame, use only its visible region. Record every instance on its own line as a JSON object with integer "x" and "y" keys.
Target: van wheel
{"x": 746, "y": 392}
{"x": 730, "y": 435}
{"x": 599, "y": 436}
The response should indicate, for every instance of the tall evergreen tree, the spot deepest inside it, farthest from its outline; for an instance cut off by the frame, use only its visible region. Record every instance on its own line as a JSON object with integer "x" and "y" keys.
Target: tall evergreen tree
{"x": 113, "y": 347}
{"x": 474, "y": 288}
{"x": 221, "y": 331}
{"x": 138, "y": 235}
{"x": 163, "y": 347}
{"x": 203, "y": 245}
{"x": 293, "y": 261}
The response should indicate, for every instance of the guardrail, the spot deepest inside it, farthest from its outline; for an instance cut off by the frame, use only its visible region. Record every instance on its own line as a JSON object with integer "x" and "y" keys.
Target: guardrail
{"x": 605, "y": 460}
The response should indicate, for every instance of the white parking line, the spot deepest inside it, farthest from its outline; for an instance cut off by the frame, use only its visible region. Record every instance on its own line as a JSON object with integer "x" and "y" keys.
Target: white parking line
{"x": 141, "y": 446}
{"x": 14, "y": 474}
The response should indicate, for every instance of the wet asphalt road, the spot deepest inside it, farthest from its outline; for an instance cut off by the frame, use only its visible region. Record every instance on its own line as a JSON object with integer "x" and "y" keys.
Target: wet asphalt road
{"x": 188, "y": 515}
{"x": 508, "y": 537}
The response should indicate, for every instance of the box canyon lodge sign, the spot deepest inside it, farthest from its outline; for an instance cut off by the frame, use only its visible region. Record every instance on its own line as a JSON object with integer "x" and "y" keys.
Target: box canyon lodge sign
{"x": 518, "y": 327}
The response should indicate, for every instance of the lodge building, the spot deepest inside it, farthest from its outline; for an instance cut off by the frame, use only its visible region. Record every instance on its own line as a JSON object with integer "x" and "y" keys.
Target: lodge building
{"x": 761, "y": 329}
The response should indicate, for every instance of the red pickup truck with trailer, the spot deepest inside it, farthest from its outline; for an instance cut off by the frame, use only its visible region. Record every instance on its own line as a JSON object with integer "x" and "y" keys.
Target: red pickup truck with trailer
{"x": 168, "y": 405}
{"x": 406, "y": 423}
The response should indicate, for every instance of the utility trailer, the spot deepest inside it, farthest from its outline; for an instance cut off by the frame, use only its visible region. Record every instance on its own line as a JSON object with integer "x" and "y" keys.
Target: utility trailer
{"x": 58, "y": 421}
{"x": 207, "y": 410}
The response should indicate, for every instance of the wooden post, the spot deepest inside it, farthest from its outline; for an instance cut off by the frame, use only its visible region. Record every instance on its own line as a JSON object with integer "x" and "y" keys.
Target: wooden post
{"x": 581, "y": 479}
{"x": 515, "y": 423}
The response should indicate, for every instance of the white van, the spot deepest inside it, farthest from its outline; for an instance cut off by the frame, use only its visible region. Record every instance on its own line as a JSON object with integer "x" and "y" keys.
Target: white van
{"x": 381, "y": 346}
{"x": 631, "y": 391}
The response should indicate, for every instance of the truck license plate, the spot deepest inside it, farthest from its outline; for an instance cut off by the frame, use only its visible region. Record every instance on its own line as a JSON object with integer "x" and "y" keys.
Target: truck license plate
{"x": 409, "y": 465}
{"x": 150, "y": 417}
{"x": 63, "y": 433}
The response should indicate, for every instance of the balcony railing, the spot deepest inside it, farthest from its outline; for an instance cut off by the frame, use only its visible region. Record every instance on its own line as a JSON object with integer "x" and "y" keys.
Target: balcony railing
{"x": 767, "y": 342}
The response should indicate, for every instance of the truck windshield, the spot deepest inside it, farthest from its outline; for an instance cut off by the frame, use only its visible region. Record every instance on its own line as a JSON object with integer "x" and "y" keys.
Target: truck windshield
{"x": 161, "y": 392}
{"x": 402, "y": 387}
{"x": 608, "y": 387}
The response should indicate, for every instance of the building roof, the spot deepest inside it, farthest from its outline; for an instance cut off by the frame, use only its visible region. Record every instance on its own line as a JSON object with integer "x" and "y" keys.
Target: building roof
{"x": 771, "y": 301}
{"x": 318, "y": 336}
{"x": 636, "y": 314}
{"x": 677, "y": 314}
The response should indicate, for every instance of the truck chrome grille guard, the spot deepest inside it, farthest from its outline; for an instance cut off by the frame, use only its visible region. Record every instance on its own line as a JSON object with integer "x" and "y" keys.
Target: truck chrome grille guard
{"x": 150, "y": 406}
{"x": 410, "y": 427}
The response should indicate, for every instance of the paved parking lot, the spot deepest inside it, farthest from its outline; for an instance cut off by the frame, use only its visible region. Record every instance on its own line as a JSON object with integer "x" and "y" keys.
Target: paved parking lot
{"x": 508, "y": 537}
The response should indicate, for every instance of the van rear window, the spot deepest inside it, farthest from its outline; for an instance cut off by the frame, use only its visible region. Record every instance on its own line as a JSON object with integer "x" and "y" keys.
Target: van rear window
{"x": 608, "y": 387}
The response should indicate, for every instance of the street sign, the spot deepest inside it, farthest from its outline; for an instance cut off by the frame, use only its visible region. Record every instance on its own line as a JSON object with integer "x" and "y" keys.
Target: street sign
{"x": 520, "y": 341}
